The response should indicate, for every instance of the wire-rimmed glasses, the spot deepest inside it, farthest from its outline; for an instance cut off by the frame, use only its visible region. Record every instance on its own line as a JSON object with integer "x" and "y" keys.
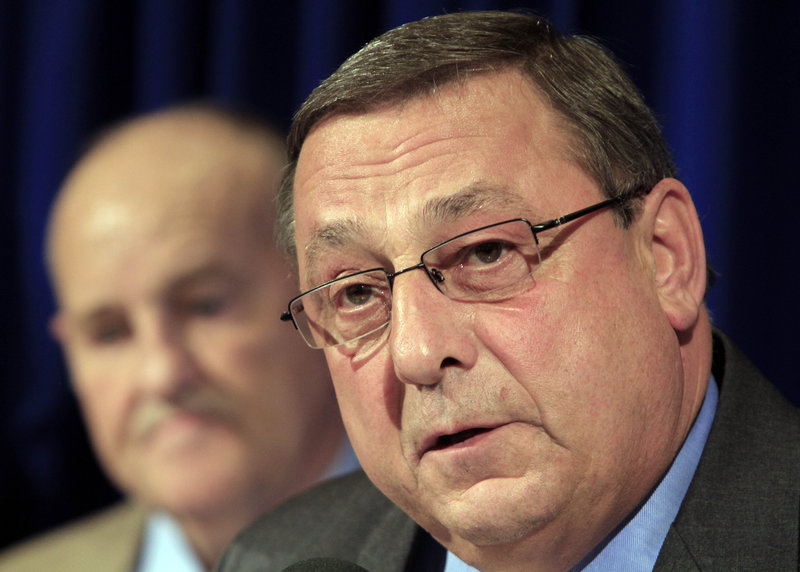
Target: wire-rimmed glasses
{"x": 488, "y": 264}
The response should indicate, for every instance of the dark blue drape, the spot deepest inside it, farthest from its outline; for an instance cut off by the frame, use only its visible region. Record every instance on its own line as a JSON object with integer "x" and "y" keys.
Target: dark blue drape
{"x": 723, "y": 76}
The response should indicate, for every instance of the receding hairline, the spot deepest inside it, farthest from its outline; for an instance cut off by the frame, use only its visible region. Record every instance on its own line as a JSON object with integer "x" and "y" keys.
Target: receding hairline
{"x": 114, "y": 142}
{"x": 402, "y": 97}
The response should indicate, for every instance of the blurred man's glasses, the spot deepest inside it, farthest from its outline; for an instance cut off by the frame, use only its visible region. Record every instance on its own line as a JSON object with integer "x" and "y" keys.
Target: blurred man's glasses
{"x": 488, "y": 264}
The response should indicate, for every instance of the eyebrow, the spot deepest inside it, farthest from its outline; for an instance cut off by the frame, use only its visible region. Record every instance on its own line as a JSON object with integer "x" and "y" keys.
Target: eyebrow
{"x": 205, "y": 273}
{"x": 85, "y": 322}
{"x": 467, "y": 201}
{"x": 479, "y": 195}
{"x": 332, "y": 236}
{"x": 213, "y": 271}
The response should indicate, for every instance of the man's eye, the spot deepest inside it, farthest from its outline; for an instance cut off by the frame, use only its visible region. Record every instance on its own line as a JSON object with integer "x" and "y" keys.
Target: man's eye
{"x": 357, "y": 294}
{"x": 205, "y": 306}
{"x": 110, "y": 334}
{"x": 487, "y": 252}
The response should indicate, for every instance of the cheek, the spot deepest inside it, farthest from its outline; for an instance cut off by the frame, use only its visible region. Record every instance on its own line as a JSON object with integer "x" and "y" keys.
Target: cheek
{"x": 102, "y": 381}
{"x": 242, "y": 372}
{"x": 580, "y": 354}
{"x": 370, "y": 400}
{"x": 106, "y": 402}
{"x": 283, "y": 358}
{"x": 533, "y": 355}
{"x": 237, "y": 358}
{"x": 105, "y": 412}
{"x": 280, "y": 389}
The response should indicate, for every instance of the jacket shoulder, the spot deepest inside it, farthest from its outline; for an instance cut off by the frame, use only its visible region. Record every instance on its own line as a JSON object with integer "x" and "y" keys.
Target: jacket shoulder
{"x": 345, "y": 518}
{"x": 741, "y": 510}
{"x": 104, "y": 541}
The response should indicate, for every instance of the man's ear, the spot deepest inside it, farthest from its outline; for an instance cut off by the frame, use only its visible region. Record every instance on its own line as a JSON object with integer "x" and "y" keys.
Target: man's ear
{"x": 58, "y": 328}
{"x": 678, "y": 252}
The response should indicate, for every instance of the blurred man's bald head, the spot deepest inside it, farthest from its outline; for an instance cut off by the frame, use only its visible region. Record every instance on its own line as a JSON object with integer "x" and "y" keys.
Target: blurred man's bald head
{"x": 206, "y": 157}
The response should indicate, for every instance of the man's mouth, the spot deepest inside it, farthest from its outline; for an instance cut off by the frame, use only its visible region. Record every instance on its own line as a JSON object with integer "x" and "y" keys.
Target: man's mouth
{"x": 446, "y": 441}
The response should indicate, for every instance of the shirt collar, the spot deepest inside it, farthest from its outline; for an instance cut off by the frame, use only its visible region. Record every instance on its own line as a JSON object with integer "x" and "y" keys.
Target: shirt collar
{"x": 344, "y": 462}
{"x": 165, "y": 547}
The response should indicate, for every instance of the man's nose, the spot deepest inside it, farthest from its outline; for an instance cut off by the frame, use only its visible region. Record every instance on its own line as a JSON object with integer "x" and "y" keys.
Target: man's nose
{"x": 168, "y": 364}
{"x": 429, "y": 332}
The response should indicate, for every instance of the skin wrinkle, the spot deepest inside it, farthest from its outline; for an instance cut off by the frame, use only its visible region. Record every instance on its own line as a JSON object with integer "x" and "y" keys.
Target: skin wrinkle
{"x": 464, "y": 202}
{"x": 397, "y": 159}
{"x": 337, "y": 235}
{"x": 340, "y": 235}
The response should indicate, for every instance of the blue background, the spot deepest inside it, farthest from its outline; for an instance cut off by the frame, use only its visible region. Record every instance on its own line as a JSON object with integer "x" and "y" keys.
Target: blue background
{"x": 722, "y": 75}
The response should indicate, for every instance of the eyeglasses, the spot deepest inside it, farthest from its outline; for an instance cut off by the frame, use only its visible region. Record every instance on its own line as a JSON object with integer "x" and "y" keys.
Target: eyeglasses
{"x": 489, "y": 264}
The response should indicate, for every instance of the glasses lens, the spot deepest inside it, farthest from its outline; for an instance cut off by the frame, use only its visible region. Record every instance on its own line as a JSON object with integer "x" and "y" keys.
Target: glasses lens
{"x": 491, "y": 263}
{"x": 344, "y": 310}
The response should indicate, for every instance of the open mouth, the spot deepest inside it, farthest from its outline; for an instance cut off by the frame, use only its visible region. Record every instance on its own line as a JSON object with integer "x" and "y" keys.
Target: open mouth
{"x": 449, "y": 440}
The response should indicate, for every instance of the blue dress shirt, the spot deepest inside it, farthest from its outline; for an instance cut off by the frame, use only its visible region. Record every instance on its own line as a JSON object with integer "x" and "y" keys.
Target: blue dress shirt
{"x": 164, "y": 547}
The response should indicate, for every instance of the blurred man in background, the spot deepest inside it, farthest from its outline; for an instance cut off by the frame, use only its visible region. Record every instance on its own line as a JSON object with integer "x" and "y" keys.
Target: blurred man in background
{"x": 200, "y": 407}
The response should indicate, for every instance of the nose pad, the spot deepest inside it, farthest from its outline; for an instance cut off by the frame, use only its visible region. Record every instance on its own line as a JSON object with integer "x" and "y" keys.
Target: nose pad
{"x": 436, "y": 276}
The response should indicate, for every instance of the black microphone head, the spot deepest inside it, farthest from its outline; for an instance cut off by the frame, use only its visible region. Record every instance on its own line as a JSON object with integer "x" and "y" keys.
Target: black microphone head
{"x": 324, "y": 564}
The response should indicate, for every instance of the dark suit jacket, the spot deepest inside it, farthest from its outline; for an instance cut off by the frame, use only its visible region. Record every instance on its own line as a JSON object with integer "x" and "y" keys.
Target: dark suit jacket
{"x": 741, "y": 511}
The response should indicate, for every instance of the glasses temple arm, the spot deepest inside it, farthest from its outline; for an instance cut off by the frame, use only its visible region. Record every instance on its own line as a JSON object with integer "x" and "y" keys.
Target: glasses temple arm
{"x": 577, "y": 214}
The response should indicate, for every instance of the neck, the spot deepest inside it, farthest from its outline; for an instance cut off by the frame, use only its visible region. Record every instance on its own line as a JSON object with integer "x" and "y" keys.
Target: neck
{"x": 209, "y": 538}
{"x": 696, "y": 353}
{"x": 210, "y": 532}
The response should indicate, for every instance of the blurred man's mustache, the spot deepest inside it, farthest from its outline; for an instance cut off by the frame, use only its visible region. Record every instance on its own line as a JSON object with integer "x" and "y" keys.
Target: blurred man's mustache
{"x": 151, "y": 413}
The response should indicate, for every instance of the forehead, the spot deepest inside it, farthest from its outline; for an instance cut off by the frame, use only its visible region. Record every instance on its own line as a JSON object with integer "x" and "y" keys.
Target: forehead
{"x": 122, "y": 249}
{"x": 489, "y": 147}
{"x": 154, "y": 205}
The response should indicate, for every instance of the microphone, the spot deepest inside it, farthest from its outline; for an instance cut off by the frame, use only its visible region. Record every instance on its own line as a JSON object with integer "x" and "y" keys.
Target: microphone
{"x": 324, "y": 564}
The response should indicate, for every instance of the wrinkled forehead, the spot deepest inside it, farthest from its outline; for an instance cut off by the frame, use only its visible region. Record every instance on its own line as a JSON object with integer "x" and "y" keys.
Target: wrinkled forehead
{"x": 391, "y": 175}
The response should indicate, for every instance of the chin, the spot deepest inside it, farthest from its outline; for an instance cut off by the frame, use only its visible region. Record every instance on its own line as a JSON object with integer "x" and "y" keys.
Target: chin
{"x": 193, "y": 500}
{"x": 486, "y": 521}
{"x": 195, "y": 488}
{"x": 491, "y": 532}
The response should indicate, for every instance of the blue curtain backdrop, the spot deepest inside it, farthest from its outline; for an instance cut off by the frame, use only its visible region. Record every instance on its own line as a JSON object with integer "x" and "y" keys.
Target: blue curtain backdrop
{"x": 723, "y": 76}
